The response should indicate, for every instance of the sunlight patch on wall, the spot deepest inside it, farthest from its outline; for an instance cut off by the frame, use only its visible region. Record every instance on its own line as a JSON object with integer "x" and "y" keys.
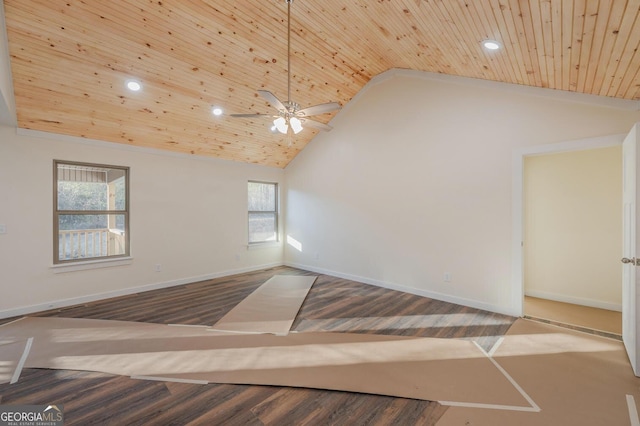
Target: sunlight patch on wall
{"x": 294, "y": 243}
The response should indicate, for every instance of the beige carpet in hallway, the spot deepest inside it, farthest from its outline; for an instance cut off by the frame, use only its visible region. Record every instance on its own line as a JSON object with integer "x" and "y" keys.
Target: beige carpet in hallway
{"x": 576, "y": 315}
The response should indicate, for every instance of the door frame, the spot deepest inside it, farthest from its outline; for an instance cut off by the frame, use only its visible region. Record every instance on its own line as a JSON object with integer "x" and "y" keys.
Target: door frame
{"x": 519, "y": 155}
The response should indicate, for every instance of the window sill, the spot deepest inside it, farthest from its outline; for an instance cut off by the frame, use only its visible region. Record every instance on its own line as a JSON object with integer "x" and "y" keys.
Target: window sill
{"x": 91, "y": 264}
{"x": 270, "y": 244}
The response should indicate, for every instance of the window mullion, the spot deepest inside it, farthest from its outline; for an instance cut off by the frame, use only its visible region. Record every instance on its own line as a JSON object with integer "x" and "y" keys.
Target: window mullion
{"x": 91, "y": 212}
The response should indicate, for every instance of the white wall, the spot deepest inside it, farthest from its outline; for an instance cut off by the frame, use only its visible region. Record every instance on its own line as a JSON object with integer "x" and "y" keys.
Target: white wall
{"x": 415, "y": 181}
{"x": 573, "y": 227}
{"x": 188, "y": 214}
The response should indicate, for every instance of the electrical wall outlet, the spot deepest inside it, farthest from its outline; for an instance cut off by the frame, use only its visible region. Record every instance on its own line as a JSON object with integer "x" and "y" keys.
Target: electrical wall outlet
{"x": 447, "y": 277}
{"x": 158, "y": 267}
{"x": 3, "y": 228}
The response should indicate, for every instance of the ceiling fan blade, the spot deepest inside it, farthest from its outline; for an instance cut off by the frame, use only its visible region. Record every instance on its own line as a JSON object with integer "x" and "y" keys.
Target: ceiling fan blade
{"x": 250, "y": 115}
{"x": 272, "y": 99}
{"x": 318, "y": 109}
{"x": 315, "y": 124}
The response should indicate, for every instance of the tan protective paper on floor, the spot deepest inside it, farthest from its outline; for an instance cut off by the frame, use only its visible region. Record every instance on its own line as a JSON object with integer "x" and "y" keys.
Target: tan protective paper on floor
{"x": 419, "y": 368}
{"x": 11, "y": 351}
{"x": 271, "y": 308}
{"x": 575, "y": 378}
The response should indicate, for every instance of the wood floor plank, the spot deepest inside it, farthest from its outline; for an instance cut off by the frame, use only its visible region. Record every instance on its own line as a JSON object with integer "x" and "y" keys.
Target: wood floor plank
{"x": 333, "y": 304}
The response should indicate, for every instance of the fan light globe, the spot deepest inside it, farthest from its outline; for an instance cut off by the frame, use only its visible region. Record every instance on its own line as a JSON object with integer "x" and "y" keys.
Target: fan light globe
{"x": 281, "y": 125}
{"x": 296, "y": 125}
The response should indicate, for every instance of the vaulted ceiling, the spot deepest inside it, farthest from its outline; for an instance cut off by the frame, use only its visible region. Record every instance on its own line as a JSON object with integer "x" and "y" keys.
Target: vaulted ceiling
{"x": 70, "y": 60}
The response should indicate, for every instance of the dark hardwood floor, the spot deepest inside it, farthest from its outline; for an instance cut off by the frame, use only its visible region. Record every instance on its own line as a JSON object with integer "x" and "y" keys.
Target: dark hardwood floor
{"x": 333, "y": 304}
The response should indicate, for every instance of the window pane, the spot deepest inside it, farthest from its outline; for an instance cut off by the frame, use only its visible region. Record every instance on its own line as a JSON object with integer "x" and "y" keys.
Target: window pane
{"x": 120, "y": 196}
{"x": 82, "y": 196}
{"x": 262, "y": 196}
{"x": 88, "y": 188}
{"x": 90, "y": 236}
{"x": 262, "y": 227}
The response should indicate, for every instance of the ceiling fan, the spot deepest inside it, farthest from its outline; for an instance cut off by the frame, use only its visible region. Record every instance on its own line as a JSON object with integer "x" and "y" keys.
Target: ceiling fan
{"x": 289, "y": 115}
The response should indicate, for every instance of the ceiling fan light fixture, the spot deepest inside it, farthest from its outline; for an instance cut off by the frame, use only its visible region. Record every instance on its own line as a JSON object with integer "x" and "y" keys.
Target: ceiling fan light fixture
{"x": 289, "y": 111}
{"x": 296, "y": 125}
{"x": 281, "y": 125}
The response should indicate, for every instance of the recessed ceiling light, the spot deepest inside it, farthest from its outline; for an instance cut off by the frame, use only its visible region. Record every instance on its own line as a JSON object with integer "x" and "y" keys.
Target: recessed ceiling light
{"x": 491, "y": 44}
{"x": 133, "y": 85}
{"x": 216, "y": 111}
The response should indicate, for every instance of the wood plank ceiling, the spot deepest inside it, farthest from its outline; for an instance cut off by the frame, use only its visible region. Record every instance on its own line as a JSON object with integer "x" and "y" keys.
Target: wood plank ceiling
{"x": 70, "y": 60}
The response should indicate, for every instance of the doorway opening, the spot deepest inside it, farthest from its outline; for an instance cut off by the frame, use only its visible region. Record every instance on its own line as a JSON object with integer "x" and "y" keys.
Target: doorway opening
{"x": 569, "y": 233}
{"x": 573, "y": 238}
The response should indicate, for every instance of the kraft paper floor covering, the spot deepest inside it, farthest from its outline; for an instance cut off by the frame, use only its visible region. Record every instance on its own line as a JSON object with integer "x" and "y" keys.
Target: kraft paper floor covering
{"x": 11, "y": 351}
{"x": 537, "y": 374}
{"x": 575, "y": 379}
{"x": 271, "y": 308}
{"x": 419, "y": 368}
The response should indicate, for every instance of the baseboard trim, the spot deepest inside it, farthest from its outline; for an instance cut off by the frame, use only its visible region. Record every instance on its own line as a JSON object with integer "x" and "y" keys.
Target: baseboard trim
{"x": 62, "y": 303}
{"x": 574, "y": 300}
{"x": 411, "y": 290}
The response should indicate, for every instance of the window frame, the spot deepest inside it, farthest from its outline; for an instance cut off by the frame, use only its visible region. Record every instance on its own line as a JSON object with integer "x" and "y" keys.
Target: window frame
{"x": 57, "y": 213}
{"x": 275, "y": 212}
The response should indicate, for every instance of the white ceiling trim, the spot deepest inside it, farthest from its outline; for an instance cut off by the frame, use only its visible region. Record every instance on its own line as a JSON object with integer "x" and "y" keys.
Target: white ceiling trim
{"x": 560, "y": 95}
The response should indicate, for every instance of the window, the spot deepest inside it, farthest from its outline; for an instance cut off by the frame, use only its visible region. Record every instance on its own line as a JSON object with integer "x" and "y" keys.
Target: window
{"x": 91, "y": 212}
{"x": 263, "y": 212}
